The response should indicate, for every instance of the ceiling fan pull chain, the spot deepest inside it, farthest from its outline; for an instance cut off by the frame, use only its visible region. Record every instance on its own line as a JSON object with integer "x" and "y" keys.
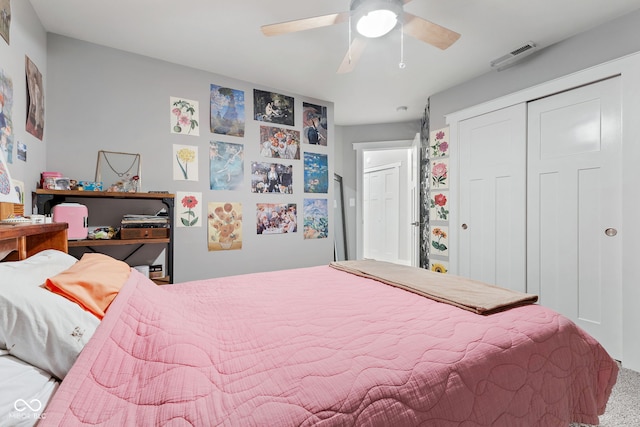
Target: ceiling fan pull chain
{"x": 350, "y": 39}
{"x": 402, "y": 65}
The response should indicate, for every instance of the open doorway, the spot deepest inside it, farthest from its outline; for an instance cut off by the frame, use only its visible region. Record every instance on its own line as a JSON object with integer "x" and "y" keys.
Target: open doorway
{"x": 388, "y": 201}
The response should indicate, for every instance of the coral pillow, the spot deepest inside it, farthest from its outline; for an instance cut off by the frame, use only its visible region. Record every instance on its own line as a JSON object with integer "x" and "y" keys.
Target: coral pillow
{"x": 93, "y": 282}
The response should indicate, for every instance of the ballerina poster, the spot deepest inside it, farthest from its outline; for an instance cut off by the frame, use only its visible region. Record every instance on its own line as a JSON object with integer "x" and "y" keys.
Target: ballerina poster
{"x": 226, "y": 165}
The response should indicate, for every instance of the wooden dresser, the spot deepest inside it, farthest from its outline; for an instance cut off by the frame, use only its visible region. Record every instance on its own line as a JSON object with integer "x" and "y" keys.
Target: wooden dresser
{"x": 20, "y": 241}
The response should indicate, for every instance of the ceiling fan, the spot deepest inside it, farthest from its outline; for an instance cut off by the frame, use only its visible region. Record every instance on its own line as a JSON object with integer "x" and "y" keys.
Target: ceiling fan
{"x": 371, "y": 18}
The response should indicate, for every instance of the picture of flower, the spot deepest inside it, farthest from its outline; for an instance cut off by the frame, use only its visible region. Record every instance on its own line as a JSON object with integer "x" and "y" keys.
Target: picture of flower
{"x": 185, "y": 167}
{"x": 438, "y": 206}
{"x": 439, "y": 142}
{"x": 440, "y": 240}
{"x": 184, "y": 116}
{"x": 224, "y": 226}
{"x": 190, "y": 215}
{"x": 439, "y": 267}
{"x": 439, "y": 177}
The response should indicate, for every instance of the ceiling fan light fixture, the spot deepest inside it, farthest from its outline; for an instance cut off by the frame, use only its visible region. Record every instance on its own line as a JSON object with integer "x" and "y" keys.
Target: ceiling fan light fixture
{"x": 375, "y": 18}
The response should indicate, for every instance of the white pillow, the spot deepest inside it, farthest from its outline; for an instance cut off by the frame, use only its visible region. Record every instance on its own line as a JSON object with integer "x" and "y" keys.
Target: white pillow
{"x": 34, "y": 270}
{"x": 36, "y": 325}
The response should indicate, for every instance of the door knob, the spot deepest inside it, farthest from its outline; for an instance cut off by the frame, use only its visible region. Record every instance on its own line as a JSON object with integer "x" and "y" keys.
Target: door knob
{"x": 610, "y": 232}
{"x": 464, "y": 226}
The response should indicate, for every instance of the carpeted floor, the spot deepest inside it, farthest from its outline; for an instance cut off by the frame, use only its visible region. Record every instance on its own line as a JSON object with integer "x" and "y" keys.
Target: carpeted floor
{"x": 623, "y": 408}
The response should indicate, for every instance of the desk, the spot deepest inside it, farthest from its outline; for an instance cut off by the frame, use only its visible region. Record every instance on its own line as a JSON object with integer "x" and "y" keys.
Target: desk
{"x": 20, "y": 241}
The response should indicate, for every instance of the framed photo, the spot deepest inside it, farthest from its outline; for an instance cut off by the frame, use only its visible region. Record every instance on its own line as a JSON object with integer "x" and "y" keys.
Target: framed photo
{"x": 62, "y": 184}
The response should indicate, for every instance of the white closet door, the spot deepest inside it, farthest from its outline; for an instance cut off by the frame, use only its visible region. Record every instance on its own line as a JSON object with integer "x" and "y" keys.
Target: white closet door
{"x": 492, "y": 198}
{"x": 574, "y": 207}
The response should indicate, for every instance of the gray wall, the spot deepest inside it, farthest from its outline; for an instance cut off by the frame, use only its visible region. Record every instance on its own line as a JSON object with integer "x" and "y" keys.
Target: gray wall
{"x": 609, "y": 41}
{"x": 105, "y": 99}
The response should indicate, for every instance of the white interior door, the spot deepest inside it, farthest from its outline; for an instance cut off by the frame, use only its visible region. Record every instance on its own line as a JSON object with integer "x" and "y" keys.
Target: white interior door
{"x": 574, "y": 205}
{"x": 381, "y": 211}
{"x": 492, "y": 198}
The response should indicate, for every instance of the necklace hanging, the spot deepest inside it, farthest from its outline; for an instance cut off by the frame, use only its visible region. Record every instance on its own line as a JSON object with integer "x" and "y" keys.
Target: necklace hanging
{"x": 120, "y": 174}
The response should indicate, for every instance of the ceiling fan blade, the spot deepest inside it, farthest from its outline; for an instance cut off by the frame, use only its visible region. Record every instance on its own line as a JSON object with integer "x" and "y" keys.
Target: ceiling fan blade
{"x": 304, "y": 24}
{"x": 353, "y": 55}
{"x": 429, "y": 32}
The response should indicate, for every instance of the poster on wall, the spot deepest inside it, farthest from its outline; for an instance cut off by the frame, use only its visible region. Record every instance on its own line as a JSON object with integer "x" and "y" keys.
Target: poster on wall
{"x": 439, "y": 174}
{"x": 5, "y": 19}
{"x": 271, "y": 178}
{"x": 314, "y": 124}
{"x": 316, "y": 219}
{"x": 273, "y": 107}
{"x": 439, "y": 143}
{"x": 226, "y": 111}
{"x": 35, "y": 99}
{"x": 316, "y": 173}
{"x": 276, "y": 218}
{"x": 440, "y": 241}
{"x": 226, "y": 165}
{"x": 440, "y": 266}
{"x": 224, "y": 226}
{"x": 6, "y": 123}
{"x": 189, "y": 210}
{"x": 185, "y": 162}
{"x": 7, "y": 189}
{"x": 439, "y": 205}
{"x": 22, "y": 151}
{"x": 279, "y": 143}
{"x": 19, "y": 187}
{"x": 184, "y": 116}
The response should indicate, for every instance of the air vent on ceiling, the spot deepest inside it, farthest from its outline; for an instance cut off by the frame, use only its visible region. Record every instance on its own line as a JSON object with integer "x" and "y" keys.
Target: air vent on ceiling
{"x": 510, "y": 58}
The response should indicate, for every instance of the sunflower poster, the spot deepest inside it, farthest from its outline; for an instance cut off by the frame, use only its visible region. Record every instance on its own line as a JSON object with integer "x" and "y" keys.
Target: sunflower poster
{"x": 224, "y": 226}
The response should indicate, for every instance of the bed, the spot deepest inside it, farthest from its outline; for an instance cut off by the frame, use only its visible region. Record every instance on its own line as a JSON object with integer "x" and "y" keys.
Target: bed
{"x": 308, "y": 346}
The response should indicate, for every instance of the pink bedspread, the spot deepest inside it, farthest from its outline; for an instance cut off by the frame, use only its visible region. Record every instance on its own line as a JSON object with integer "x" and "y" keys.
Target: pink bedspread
{"x": 317, "y": 346}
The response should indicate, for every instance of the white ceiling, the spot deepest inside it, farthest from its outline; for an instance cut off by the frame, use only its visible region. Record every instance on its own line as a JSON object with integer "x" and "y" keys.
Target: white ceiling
{"x": 224, "y": 37}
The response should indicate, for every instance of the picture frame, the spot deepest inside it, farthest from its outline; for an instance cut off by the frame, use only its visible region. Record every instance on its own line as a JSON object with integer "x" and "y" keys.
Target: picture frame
{"x": 118, "y": 171}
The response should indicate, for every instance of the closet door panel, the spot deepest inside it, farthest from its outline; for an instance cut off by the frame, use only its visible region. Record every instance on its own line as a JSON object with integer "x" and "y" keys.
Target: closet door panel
{"x": 493, "y": 198}
{"x": 574, "y": 207}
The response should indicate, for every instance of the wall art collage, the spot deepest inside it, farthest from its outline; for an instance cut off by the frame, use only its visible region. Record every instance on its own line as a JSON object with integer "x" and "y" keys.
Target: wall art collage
{"x": 283, "y": 156}
{"x": 439, "y": 200}
{"x": 12, "y": 190}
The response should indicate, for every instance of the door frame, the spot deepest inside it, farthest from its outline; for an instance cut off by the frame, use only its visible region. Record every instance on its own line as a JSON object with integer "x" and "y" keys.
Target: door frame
{"x": 361, "y": 148}
{"x": 628, "y": 68}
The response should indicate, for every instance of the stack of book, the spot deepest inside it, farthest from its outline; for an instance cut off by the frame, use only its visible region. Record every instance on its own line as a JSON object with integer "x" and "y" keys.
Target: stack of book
{"x": 135, "y": 226}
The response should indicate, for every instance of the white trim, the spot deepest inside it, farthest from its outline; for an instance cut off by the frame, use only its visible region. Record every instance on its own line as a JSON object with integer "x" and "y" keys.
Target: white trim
{"x": 383, "y": 167}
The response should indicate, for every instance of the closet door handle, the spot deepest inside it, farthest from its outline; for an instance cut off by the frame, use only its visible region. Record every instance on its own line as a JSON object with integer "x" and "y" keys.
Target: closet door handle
{"x": 610, "y": 232}
{"x": 464, "y": 226}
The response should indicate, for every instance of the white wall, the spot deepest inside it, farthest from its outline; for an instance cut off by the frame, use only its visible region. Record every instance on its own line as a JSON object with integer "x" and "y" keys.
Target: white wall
{"x": 106, "y": 99}
{"x": 27, "y": 38}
